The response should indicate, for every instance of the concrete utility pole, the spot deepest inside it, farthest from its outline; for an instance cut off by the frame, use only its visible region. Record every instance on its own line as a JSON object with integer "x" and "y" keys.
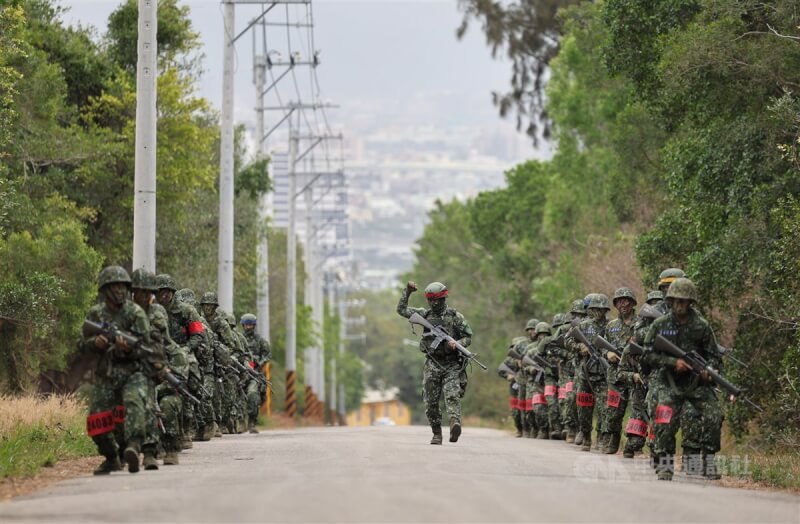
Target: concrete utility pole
{"x": 331, "y": 305}
{"x": 262, "y": 270}
{"x": 291, "y": 281}
{"x": 342, "y": 338}
{"x": 225, "y": 255}
{"x": 144, "y": 185}
{"x": 310, "y": 353}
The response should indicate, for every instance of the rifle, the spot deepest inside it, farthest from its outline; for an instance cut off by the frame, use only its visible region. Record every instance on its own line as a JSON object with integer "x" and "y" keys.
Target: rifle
{"x": 439, "y": 336}
{"x": 241, "y": 368}
{"x": 531, "y": 362}
{"x": 699, "y": 364}
{"x": 538, "y": 361}
{"x": 111, "y": 332}
{"x": 726, "y": 352}
{"x": 578, "y": 335}
{"x": 514, "y": 354}
{"x": 503, "y": 368}
{"x": 635, "y": 349}
{"x": 607, "y": 346}
{"x": 650, "y": 312}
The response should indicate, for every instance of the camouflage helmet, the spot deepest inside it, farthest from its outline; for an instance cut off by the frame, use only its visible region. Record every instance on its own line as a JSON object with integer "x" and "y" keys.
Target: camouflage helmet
{"x": 531, "y": 324}
{"x": 624, "y": 292}
{"x": 209, "y": 297}
{"x": 435, "y": 290}
{"x": 682, "y": 288}
{"x": 518, "y": 340}
{"x": 186, "y": 295}
{"x": 248, "y": 318}
{"x": 654, "y": 296}
{"x": 230, "y": 319}
{"x": 669, "y": 275}
{"x": 577, "y": 307}
{"x": 559, "y": 319}
{"x": 143, "y": 279}
{"x": 113, "y": 275}
{"x": 587, "y": 299}
{"x": 598, "y": 301}
{"x": 164, "y": 281}
{"x": 543, "y": 327}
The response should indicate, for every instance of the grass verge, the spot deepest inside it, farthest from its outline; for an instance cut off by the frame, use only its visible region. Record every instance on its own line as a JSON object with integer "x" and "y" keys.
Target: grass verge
{"x": 37, "y": 432}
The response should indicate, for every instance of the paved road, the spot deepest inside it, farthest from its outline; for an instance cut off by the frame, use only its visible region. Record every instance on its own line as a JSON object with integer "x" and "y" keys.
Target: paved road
{"x": 392, "y": 474}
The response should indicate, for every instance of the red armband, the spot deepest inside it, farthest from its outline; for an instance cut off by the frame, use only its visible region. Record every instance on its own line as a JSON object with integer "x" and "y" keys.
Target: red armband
{"x": 119, "y": 414}
{"x": 584, "y": 400}
{"x": 614, "y": 399}
{"x": 636, "y": 427}
{"x": 99, "y": 423}
{"x": 549, "y": 391}
{"x": 538, "y": 398}
{"x": 196, "y": 327}
{"x": 252, "y": 364}
{"x": 562, "y": 393}
{"x": 663, "y": 414}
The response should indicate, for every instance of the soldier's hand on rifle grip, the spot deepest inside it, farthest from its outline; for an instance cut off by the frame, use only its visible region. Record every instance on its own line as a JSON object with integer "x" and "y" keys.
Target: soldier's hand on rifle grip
{"x": 705, "y": 375}
{"x": 637, "y": 379}
{"x": 100, "y": 342}
{"x": 612, "y": 357}
{"x": 411, "y": 287}
{"x": 122, "y": 344}
{"x": 584, "y": 349}
{"x": 681, "y": 366}
{"x": 451, "y": 344}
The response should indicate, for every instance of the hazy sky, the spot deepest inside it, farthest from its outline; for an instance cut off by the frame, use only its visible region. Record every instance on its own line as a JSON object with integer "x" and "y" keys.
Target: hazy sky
{"x": 390, "y": 58}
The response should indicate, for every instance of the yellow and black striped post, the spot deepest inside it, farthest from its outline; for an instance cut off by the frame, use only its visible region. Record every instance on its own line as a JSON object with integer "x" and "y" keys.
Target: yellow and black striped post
{"x": 291, "y": 396}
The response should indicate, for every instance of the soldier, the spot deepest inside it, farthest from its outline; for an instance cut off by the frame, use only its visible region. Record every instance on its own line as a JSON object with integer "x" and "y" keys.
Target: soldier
{"x": 121, "y": 386}
{"x": 550, "y": 351}
{"x": 513, "y": 390}
{"x": 667, "y": 277}
{"x": 685, "y": 398}
{"x": 535, "y": 387}
{"x": 445, "y": 370}
{"x": 530, "y": 427}
{"x": 570, "y": 413}
{"x": 186, "y": 328}
{"x": 168, "y": 399}
{"x": 260, "y": 350}
{"x": 247, "y": 386}
{"x": 619, "y": 331}
{"x": 592, "y": 387}
{"x": 654, "y": 298}
{"x": 633, "y": 372}
{"x": 227, "y": 378}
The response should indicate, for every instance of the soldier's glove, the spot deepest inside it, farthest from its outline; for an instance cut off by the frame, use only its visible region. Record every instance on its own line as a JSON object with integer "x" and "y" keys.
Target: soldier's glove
{"x": 584, "y": 349}
{"x": 637, "y": 379}
{"x": 411, "y": 287}
{"x": 612, "y": 357}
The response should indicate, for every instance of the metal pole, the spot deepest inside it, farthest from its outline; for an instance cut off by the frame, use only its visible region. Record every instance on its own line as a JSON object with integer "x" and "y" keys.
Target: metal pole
{"x": 262, "y": 270}
{"x": 309, "y": 354}
{"x": 331, "y": 312}
{"x": 342, "y": 337}
{"x": 291, "y": 283}
{"x": 225, "y": 255}
{"x": 144, "y": 206}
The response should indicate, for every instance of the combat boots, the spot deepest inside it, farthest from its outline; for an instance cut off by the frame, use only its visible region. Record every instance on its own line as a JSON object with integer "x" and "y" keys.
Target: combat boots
{"x": 587, "y": 443}
{"x": 578, "y": 439}
{"x": 186, "y": 443}
{"x": 556, "y": 433}
{"x": 525, "y": 433}
{"x": 455, "y": 430}
{"x": 518, "y": 434}
{"x": 437, "y": 435}
{"x": 149, "y": 461}
{"x": 543, "y": 434}
{"x": 131, "y": 456}
{"x": 217, "y": 431}
{"x": 252, "y": 429}
{"x": 612, "y": 444}
{"x": 628, "y": 453}
{"x": 570, "y": 436}
{"x": 208, "y": 432}
{"x": 110, "y": 464}
{"x": 171, "y": 459}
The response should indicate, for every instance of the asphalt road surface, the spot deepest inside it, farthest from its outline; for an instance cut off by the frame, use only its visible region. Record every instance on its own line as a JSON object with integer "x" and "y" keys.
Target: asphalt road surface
{"x": 392, "y": 474}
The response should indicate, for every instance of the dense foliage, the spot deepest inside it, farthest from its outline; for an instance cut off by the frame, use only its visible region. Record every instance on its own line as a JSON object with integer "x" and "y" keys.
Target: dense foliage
{"x": 67, "y": 131}
{"x": 677, "y": 126}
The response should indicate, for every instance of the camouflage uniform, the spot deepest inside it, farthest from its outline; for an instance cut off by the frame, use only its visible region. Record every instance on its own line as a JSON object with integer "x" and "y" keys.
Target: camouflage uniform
{"x": 186, "y": 329}
{"x": 513, "y": 393}
{"x": 685, "y": 400}
{"x": 444, "y": 372}
{"x": 535, "y": 393}
{"x": 260, "y": 350}
{"x": 549, "y": 350}
{"x": 618, "y": 331}
{"x": 591, "y": 375}
{"x": 119, "y": 395}
{"x": 638, "y": 427}
{"x": 569, "y": 411}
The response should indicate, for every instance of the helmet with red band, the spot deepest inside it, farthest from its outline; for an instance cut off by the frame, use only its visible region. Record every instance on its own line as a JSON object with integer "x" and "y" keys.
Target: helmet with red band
{"x": 435, "y": 290}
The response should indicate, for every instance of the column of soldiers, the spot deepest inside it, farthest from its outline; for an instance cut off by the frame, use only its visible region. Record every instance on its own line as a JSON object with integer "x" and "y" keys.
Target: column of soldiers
{"x": 166, "y": 374}
{"x": 575, "y": 378}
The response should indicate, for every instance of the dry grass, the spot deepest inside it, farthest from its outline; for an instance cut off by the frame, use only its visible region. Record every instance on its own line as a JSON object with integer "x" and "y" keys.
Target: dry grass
{"x": 38, "y": 431}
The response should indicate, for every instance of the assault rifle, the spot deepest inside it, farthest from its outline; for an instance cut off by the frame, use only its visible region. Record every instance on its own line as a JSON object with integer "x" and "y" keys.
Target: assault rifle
{"x": 503, "y": 368}
{"x": 538, "y": 361}
{"x": 111, "y": 332}
{"x": 698, "y": 364}
{"x": 726, "y": 352}
{"x": 439, "y": 335}
{"x": 578, "y": 335}
{"x": 605, "y": 345}
{"x": 513, "y": 353}
{"x": 534, "y": 363}
{"x": 247, "y": 370}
